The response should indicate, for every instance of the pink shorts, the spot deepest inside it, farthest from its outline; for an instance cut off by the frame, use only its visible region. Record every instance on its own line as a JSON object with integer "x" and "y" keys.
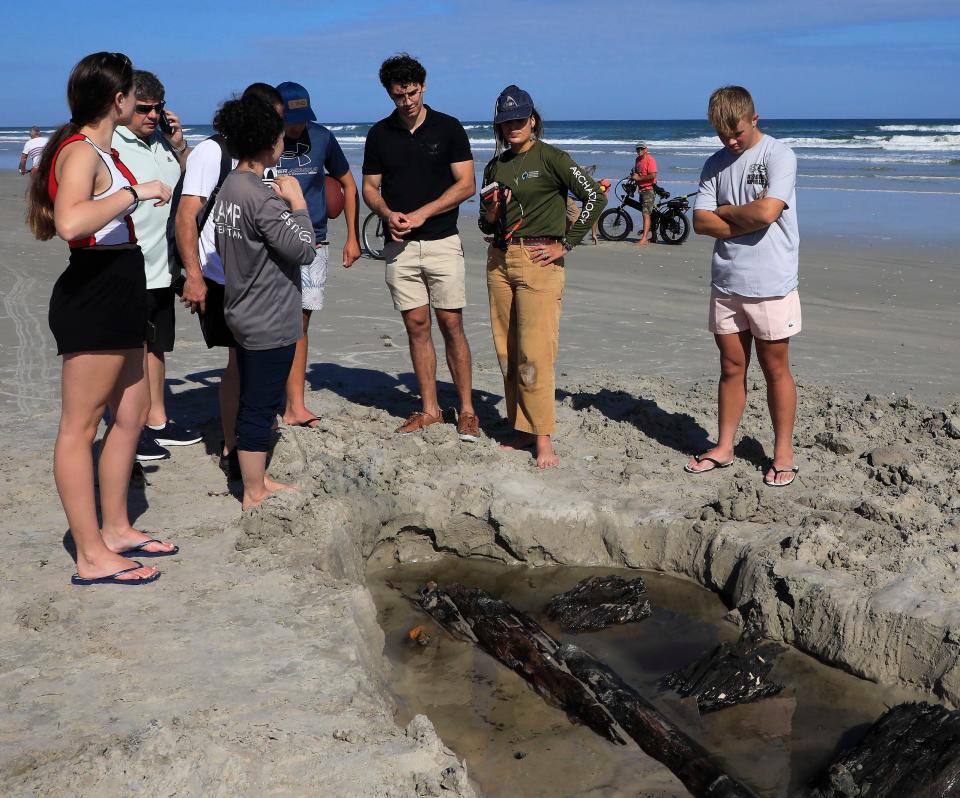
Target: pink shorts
{"x": 767, "y": 318}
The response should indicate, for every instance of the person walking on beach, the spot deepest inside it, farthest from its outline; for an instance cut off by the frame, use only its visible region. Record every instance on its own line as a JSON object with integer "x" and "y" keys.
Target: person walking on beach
{"x": 84, "y": 194}
{"x": 645, "y": 175}
{"x": 32, "y": 150}
{"x": 526, "y": 262}
{"x": 417, "y": 169}
{"x": 264, "y": 235}
{"x": 310, "y": 153}
{"x": 747, "y": 202}
{"x": 207, "y": 168}
{"x": 152, "y": 154}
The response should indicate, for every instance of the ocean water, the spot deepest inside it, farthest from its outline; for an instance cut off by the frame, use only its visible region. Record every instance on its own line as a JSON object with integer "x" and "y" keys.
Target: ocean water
{"x": 857, "y": 178}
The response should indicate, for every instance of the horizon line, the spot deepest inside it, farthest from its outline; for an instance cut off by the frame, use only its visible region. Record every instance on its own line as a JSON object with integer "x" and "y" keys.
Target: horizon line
{"x": 675, "y": 119}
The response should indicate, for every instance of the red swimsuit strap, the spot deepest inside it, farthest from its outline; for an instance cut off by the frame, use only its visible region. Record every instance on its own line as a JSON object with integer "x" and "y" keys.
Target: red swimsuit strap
{"x": 52, "y": 179}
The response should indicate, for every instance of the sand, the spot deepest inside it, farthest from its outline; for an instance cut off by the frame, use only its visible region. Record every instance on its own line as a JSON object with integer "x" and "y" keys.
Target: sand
{"x": 254, "y": 666}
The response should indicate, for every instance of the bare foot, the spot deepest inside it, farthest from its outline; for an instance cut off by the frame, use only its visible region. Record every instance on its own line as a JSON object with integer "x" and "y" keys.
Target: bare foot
{"x": 524, "y": 440}
{"x": 271, "y": 486}
{"x": 642, "y": 243}
{"x": 118, "y": 540}
{"x": 706, "y": 460}
{"x": 107, "y": 563}
{"x": 546, "y": 458}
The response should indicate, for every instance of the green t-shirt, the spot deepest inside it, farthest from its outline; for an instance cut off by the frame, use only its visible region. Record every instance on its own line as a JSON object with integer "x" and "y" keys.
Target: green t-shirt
{"x": 540, "y": 180}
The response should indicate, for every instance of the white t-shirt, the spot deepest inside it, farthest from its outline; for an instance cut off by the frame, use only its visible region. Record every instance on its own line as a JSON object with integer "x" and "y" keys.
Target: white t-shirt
{"x": 33, "y": 149}
{"x": 763, "y": 263}
{"x": 200, "y": 179}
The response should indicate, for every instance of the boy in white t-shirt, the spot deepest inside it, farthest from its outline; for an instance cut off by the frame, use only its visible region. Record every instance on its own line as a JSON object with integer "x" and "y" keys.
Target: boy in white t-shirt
{"x": 747, "y": 202}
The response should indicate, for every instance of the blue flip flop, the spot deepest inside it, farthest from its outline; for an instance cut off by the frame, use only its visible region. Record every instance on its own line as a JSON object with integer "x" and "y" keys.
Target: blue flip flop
{"x": 79, "y": 581}
{"x": 138, "y": 550}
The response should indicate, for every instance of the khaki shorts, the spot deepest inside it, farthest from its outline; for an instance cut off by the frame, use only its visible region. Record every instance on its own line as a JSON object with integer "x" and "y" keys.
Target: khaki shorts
{"x": 767, "y": 318}
{"x": 426, "y": 273}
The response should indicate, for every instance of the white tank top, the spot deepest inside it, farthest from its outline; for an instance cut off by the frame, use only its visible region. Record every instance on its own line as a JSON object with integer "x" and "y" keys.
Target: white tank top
{"x": 118, "y": 230}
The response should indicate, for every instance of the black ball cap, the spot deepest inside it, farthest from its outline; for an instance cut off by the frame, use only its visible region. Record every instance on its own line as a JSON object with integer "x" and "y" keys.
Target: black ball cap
{"x": 513, "y": 103}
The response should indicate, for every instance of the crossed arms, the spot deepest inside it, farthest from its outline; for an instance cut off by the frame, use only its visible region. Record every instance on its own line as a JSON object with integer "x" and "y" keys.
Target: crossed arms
{"x": 730, "y": 221}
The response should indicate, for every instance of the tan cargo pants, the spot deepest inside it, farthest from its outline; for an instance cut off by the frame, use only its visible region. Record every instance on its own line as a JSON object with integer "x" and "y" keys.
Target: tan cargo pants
{"x": 525, "y": 303}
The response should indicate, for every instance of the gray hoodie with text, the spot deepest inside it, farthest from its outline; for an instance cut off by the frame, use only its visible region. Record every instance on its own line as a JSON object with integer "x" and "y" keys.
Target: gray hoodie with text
{"x": 262, "y": 244}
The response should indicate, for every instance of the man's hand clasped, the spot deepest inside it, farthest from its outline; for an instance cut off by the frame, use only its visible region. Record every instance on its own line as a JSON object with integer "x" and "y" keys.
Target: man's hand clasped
{"x": 400, "y": 224}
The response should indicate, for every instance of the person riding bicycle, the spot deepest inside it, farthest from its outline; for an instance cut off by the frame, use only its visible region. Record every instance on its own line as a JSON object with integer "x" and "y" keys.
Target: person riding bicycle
{"x": 645, "y": 175}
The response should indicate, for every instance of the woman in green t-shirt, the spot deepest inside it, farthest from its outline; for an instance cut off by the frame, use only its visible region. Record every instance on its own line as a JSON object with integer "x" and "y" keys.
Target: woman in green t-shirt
{"x": 526, "y": 214}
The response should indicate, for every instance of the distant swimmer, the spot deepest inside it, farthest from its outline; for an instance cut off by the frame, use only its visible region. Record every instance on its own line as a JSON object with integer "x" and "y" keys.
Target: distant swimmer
{"x": 747, "y": 201}
{"x": 32, "y": 150}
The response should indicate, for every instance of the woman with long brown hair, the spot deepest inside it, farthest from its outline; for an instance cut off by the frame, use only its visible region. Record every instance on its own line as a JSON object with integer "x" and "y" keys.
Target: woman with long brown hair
{"x": 84, "y": 194}
{"x": 527, "y": 216}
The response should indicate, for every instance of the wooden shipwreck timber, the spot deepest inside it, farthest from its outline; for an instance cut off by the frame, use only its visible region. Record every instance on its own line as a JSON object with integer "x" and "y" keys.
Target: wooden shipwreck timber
{"x": 572, "y": 680}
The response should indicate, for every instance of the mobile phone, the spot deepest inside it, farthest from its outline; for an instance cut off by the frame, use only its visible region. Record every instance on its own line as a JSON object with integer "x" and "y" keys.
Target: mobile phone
{"x": 164, "y": 124}
{"x": 487, "y": 191}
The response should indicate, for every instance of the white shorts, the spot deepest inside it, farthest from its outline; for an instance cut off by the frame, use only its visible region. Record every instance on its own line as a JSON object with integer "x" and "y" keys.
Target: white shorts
{"x": 767, "y": 318}
{"x": 313, "y": 279}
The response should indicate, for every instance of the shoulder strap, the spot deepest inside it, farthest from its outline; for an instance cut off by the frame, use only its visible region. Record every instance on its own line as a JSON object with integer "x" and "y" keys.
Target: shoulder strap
{"x": 226, "y": 164}
{"x": 52, "y": 178}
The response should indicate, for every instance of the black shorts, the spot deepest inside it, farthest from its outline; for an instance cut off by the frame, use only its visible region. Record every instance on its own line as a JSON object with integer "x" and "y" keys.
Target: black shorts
{"x": 212, "y": 324}
{"x": 162, "y": 320}
{"x": 100, "y": 301}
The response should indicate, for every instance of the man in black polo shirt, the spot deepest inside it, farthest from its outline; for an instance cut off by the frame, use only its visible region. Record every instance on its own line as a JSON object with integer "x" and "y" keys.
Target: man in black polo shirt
{"x": 417, "y": 169}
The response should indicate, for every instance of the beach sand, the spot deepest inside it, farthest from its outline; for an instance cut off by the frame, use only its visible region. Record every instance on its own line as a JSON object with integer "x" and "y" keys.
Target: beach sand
{"x": 254, "y": 665}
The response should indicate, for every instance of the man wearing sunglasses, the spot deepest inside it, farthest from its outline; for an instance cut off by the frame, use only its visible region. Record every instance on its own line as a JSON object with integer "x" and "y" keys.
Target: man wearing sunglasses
{"x": 153, "y": 153}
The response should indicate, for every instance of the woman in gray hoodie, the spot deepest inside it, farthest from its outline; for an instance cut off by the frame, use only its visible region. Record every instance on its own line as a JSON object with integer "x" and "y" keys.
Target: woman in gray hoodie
{"x": 263, "y": 234}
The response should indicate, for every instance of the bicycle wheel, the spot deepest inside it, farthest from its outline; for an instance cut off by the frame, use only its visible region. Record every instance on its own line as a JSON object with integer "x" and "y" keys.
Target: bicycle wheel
{"x": 615, "y": 224}
{"x": 674, "y": 228}
{"x": 372, "y": 236}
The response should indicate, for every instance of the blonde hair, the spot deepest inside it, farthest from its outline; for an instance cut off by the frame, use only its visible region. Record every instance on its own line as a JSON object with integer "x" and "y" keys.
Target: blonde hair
{"x": 728, "y": 105}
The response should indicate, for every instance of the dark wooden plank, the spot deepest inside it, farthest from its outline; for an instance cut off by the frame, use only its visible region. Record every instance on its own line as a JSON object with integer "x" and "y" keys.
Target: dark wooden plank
{"x": 571, "y": 679}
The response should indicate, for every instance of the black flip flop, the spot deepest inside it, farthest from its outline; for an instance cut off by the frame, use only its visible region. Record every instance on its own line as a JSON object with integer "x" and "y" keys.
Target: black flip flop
{"x": 79, "y": 581}
{"x": 700, "y": 458}
{"x": 776, "y": 471}
{"x": 139, "y": 552}
{"x": 307, "y": 423}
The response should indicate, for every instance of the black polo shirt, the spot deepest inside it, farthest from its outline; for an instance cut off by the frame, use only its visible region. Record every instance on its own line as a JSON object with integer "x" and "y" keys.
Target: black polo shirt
{"x": 416, "y": 166}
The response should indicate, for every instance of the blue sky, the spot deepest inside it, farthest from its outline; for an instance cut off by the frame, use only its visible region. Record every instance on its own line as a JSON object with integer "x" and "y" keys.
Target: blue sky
{"x": 579, "y": 60}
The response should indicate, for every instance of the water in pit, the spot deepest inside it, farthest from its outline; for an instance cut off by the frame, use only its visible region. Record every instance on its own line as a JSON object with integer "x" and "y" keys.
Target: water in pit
{"x": 517, "y": 746}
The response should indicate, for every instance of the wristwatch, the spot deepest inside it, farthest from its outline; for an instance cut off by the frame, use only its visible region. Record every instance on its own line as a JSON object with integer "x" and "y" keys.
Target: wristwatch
{"x": 566, "y": 246}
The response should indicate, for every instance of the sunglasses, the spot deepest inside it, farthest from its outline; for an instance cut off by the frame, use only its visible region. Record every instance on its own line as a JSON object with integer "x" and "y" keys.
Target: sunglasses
{"x": 144, "y": 108}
